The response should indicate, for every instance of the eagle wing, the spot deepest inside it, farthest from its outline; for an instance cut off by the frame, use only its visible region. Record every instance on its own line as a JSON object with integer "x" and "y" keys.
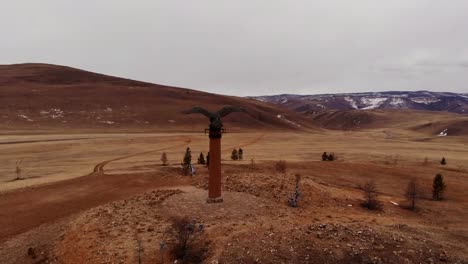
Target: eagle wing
{"x": 230, "y": 109}
{"x": 198, "y": 110}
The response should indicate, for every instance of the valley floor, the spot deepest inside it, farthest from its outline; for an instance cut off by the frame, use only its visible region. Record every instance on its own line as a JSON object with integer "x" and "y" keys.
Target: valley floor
{"x": 96, "y": 198}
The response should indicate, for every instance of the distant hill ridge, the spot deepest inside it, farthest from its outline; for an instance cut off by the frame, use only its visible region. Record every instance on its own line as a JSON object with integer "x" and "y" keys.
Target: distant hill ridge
{"x": 417, "y": 100}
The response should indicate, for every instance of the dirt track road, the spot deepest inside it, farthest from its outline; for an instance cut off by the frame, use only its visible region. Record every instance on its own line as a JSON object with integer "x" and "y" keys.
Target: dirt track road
{"x": 27, "y": 208}
{"x": 40, "y": 141}
{"x": 99, "y": 168}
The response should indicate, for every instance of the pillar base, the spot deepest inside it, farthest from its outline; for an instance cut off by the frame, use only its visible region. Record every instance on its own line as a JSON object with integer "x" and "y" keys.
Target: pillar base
{"x": 214, "y": 200}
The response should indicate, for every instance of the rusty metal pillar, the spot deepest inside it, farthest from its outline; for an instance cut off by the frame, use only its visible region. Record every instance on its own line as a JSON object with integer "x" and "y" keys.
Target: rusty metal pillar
{"x": 215, "y": 130}
{"x": 214, "y": 180}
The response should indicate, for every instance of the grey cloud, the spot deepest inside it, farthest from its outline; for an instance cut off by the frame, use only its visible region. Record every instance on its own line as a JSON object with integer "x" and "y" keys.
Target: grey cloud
{"x": 249, "y": 47}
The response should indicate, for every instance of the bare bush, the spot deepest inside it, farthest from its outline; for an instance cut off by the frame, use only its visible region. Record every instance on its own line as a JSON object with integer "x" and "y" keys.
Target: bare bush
{"x": 426, "y": 161}
{"x": 294, "y": 200}
{"x": 186, "y": 248}
{"x": 391, "y": 159}
{"x": 280, "y": 166}
{"x": 412, "y": 193}
{"x": 370, "y": 196}
{"x": 164, "y": 159}
{"x": 18, "y": 169}
{"x": 252, "y": 163}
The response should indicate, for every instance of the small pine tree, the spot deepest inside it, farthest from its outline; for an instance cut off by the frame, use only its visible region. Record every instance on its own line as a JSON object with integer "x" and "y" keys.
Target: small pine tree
{"x": 443, "y": 161}
{"x": 234, "y": 155}
{"x": 412, "y": 193}
{"x": 164, "y": 159}
{"x": 324, "y": 156}
{"x": 207, "y": 159}
{"x": 187, "y": 162}
{"x": 240, "y": 154}
{"x": 438, "y": 187}
{"x": 201, "y": 159}
{"x": 188, "y": 157}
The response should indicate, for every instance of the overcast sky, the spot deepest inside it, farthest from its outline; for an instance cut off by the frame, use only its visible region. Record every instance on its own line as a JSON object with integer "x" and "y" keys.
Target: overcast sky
{"x": 249, "y": 47}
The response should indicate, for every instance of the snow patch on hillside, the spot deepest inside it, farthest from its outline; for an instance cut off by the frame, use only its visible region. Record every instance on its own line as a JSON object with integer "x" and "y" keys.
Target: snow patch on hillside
{"x": 351, "y": 102}
{"x": 107, "y": 122}
{"x": 261, "y": 99}
{"x": 397, "y": 102}
{"x": 373, "y": 103}
{"x": 443, "y": 133}
{"x": 53, "y": 113}
{"x": 425, "y": 100}
{"x": 25, "y": 117}
{"x": 289, "y": 121}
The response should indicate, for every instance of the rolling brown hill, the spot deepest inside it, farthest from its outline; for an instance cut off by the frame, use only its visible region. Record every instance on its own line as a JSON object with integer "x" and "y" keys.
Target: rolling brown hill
{"x": 427, "y": 122}
{"x": 44, "y": 97}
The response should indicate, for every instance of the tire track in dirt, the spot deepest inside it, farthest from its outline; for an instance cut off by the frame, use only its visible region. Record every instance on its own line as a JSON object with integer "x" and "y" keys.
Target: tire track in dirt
{"x": 42, "y": 140}
{"x": 99, "y": 168}
{"x": 44, "y": 204}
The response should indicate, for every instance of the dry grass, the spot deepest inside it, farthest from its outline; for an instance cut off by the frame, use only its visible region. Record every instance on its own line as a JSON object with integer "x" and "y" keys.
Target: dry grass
{"x": 45, "y": 162}
{"x": 329, "y": 189}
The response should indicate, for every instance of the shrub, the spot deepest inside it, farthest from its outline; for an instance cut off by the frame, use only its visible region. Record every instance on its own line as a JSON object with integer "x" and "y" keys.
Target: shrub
{"x": 370, "y": 196}
{"x": 443, "y": 161}
{"x": 201, "y": 159}
{"x": 324, "y": 156}
{"x": 240, "y": 154}
{"x": 207, "y": 159}
{"x": 280, "y": 166}
{"x": 164, "y": 159}
{"x": 411, "y": 193}
{"x": 438, "y": 187}
{"x": 328, "y": 157}
{"x": 186, "y": 231}
{"x": 234, "y": 155}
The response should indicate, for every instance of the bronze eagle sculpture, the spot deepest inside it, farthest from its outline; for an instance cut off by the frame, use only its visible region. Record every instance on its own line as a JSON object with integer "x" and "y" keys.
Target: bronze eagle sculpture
{"x": 215, "y": 117}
